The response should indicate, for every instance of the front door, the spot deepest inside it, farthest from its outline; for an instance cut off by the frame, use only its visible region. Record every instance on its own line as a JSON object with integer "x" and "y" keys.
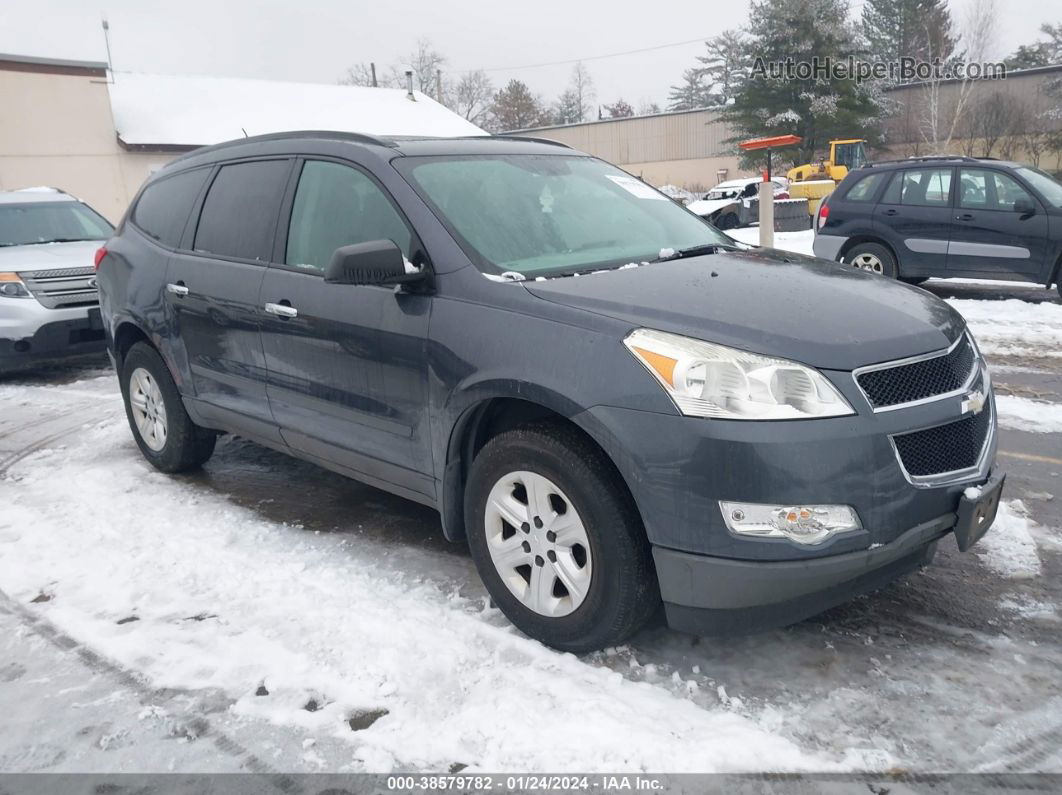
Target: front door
{"x": 213, "y": 292}
{"x": 914, "y": 216}
{"x": 347, "y": 363}
{"x": 989, "y": 235}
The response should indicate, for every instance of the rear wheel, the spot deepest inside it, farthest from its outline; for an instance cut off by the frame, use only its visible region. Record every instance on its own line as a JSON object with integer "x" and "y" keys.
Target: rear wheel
{"x": 162, "y": 428}
{"x": 727, "y": 221}
{"x": 872, "y": 257}
{"x": 557, "y": 539}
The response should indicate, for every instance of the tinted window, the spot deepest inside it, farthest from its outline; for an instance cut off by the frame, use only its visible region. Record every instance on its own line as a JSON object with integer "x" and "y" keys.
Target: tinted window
{"x": 866, "y": 188}
{"x": 50, "y": 222}
{"x": 335, "y": 206}
{"x": 163, "y": 207}
{"x": 1007, "y": 191}
{"x": 240, "y": 211}
{"x": 924, "y": 187}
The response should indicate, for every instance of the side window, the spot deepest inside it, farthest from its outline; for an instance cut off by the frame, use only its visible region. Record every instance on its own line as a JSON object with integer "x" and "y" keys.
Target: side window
{"x": 973, "y": 191}
{"x": 892, "y": 193}
{"x": 866, "y": 188}
{"x": 240, "y": 210}
{"x": 926, "y": 187}
{"x": 336, "y": 205}
{"x": 163, "y": 207}
{"x": 1007, "y": 191}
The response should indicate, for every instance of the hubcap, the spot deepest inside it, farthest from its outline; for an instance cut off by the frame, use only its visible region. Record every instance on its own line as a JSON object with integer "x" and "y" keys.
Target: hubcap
{"x": 868, "y": 262}
{"x": 538, "y": 544}
{"x": 149, "y": 410}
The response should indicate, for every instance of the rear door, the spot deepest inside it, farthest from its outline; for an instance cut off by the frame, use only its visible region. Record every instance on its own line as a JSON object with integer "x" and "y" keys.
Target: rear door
{"x": 212, "y": 291}
{"x": 989, "y": 236}
{"x": 347, "y": 363}
{"x": 914, "y": 215}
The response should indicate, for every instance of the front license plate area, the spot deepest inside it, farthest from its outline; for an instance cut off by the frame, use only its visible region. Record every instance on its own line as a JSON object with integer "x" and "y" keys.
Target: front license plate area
{"x": 977, "y": 515}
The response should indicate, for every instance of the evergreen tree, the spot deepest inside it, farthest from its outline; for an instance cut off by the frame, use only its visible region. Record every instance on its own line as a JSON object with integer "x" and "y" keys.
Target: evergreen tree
{"x": 516, "y": 108}
{"x": 691, "y": 93}
{"x": 568, "y": 109}
{"x": 726, "y": 65}
{"x": 818, "y": 108}
{"x": 919, "y": 29}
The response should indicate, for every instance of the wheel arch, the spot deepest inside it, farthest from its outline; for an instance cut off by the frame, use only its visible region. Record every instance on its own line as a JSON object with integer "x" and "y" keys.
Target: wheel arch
{"x": 856, "y": 240}
{"x": 488, "y": 415}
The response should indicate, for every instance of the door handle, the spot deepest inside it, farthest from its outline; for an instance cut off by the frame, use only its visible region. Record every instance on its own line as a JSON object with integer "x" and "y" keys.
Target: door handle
{"x": 964, "y": 217}
{"x": 177, "y": 289}
{"x": 891, "y": 212}
{"x": 282, "y": 310}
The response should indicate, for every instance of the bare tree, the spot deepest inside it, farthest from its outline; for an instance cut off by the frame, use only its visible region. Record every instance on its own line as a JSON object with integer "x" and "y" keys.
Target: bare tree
{"x": 941, "y": 118}
{"x": 361, "y": 74}
{"x": 473, "y": 96}
{"x": 582, "y": 88}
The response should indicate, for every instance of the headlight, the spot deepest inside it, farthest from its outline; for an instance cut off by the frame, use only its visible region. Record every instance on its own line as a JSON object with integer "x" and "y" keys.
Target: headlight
{"x": 709, "y": 380}
{"x": 805, "y": 524}
{"x": 12, "y": 287}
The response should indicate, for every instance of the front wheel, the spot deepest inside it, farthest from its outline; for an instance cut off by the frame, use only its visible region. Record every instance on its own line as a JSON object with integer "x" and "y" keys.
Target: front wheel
{"x": 557, "y": 539}
{"x": 872, "y": 257}
{"x": 161, "y": 427}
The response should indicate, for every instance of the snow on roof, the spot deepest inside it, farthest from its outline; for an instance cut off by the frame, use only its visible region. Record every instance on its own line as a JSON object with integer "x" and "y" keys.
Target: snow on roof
{"x": 182, "y": 110}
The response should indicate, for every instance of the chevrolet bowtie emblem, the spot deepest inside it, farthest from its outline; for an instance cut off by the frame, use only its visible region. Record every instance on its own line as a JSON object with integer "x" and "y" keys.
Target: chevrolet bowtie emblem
{"x": 973, "y": 403}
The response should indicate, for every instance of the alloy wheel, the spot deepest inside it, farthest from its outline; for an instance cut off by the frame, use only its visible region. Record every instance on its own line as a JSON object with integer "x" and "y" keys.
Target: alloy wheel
{"x": 868, "y": 262}
{"x": 149, "y": 409}
{"x": 538, "y": 544}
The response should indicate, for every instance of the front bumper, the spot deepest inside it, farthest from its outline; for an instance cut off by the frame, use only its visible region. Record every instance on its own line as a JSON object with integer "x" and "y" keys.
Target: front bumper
{"x": 31, "y": 334}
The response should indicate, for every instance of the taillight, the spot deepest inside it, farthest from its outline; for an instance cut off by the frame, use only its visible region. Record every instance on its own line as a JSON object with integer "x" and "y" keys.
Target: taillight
{"x": 101, "y": 252}
{"x": 824, "y": 213}
{"x": 781, "y": 195}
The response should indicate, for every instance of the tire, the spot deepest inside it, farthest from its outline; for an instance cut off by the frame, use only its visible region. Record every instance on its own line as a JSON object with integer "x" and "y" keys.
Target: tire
{"x": 915, "y": 280}
{"x": 151, "y": 398}
{"x": 872, "y": 257}
{"x": 728, "y": 221}
{"x": 573, "y": 476}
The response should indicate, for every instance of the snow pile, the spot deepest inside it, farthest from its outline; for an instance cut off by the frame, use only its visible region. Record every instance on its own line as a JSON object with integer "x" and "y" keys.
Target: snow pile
{"x": 1008, "y": 548}
{"x": 312, "y": 632}
{"x": 1025, "y": 414}
{"x": 797, "y": 242}
{"x": 1014, "y": 327}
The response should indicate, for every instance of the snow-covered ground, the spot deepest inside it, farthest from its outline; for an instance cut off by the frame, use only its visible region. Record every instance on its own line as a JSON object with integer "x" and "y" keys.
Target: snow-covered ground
{"x": 323, "y": 625}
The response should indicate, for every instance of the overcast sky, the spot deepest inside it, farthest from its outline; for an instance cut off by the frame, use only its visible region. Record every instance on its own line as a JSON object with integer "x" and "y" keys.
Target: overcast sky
{"x": 316, "y": 40}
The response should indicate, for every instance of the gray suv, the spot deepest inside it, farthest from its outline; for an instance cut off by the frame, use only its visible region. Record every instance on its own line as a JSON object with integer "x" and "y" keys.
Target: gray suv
{"x": 49, "y": 307}
{"x": 614, "y": 406}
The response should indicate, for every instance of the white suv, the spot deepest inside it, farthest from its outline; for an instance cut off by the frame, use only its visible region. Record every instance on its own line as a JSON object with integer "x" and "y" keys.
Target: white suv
{"x": 49, "y": 308}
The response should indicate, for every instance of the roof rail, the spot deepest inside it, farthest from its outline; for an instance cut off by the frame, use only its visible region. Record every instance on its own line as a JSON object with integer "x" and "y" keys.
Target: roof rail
{"x": 532, "y": 139}
{"x": 928, "y": 158}
{"x": 360, "y": 138}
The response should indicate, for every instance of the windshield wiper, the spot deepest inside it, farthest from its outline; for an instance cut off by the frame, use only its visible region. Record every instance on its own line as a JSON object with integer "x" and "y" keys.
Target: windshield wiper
{"x": 695, "y": 251}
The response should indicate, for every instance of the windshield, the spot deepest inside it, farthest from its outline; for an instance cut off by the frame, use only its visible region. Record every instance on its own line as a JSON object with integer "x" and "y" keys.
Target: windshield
{"x": 50, "y": 222}
{"x": 1049, "y": 187}
{"x": 538, "y": 215}
{"x": 852, "y": 156}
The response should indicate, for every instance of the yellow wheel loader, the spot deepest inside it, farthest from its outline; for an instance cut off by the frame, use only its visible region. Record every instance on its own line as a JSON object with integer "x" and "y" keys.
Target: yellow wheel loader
{"x": 814, "y": 181}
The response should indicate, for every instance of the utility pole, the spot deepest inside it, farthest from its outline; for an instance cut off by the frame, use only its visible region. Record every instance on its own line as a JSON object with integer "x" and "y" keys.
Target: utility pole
{"x": 438, "y": 85}
{"x": 107, "y": 41}
{"x": 372, "y": 66}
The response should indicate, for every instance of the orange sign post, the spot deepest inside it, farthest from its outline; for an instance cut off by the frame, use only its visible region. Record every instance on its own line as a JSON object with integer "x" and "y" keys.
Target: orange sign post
{"x": 766, "y": 187}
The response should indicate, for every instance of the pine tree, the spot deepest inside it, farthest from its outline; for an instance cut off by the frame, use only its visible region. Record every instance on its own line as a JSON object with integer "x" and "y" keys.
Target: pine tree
{"x": 516, "y": 108}
{"x": 919, "y": 29}
{"x": 818, "y": 108}
{"x": 691, "y": 93}
{"x": 726, "y": 65}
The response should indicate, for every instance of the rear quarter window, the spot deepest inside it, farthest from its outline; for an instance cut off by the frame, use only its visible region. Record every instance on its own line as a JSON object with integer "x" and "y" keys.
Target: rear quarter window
{"x": 865, "y": 188}
{"x": 163, "y": 208}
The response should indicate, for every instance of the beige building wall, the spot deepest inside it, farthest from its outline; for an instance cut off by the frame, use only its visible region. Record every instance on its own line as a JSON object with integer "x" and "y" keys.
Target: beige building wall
{"x": 688, "y": 149}
{"x": 57, "y": 130}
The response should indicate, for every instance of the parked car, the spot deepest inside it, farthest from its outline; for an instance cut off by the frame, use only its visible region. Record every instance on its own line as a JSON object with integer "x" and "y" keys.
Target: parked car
{"x": 612, "y": 403}
{"x": 946, "y": 217}
{"x": 48, "y": 303}
{"x": 724, "y": 205}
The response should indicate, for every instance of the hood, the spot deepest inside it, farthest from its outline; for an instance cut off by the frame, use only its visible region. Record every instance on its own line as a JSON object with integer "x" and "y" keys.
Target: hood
{"x": 771, "y": 302}
{"x": 705, "y": 207}
{"x": 49, "y": 256}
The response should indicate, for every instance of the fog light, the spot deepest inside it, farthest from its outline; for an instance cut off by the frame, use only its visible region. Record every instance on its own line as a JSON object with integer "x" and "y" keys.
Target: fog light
{"x": 805, "y": 524}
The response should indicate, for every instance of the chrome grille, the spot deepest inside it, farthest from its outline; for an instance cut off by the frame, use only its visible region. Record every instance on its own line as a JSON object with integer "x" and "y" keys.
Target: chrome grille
{"x": 944, "y": 449}
{"x": 63, "y": 287}
{"x": 922, "y": 378}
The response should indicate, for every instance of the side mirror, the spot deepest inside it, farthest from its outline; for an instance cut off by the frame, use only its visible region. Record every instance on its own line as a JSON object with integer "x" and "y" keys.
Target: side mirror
{"x": 1024, "y": 206}
{"x": 375, "y": 262}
